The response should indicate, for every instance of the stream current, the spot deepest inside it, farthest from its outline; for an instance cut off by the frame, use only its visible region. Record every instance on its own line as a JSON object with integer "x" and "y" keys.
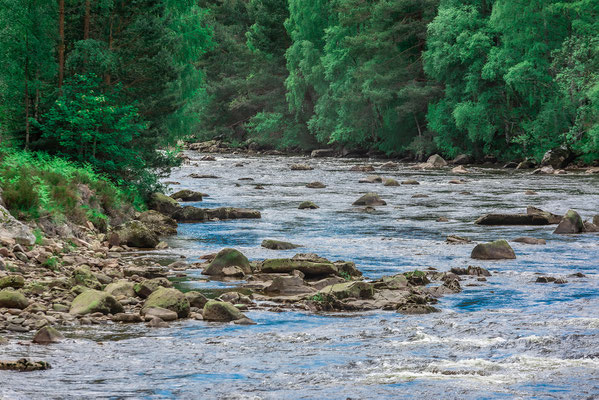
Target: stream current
{"x": 505, "y": 338}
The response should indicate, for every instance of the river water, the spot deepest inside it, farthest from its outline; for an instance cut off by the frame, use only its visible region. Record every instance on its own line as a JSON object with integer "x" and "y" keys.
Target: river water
{"x": 505, "y": 338}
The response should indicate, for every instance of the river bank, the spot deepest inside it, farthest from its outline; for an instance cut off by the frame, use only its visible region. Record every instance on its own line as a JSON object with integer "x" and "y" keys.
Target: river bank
{"x": 495, "y": 337}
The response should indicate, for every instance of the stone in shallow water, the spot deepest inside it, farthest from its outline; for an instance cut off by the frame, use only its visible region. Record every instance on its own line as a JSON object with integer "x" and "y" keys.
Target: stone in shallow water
{"x": 278, "y": 245}
{"x": 316, "y": 185}
{"x": 227, "y": 258}
{"x": 307, "y": 205}
{"x": 221, "y": 311}
{"x": 497, "y": 250}
{"x": 571, "y": 223}
{"x": 530, "y": 240}
{"x": 47, "y": 335}
{"x": 370, "y": 199}
{"x": 24, "y": 364}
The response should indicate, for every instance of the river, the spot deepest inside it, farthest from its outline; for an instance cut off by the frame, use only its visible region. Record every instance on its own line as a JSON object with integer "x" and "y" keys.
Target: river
{"x": 505, "y": 338}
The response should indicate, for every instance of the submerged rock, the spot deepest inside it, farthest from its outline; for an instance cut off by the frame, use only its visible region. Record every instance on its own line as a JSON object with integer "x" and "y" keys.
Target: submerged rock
{"x": 530, "y": 240}
{"x": 170, "y": 299}
{"x": 497, "y": 250}
{"x": 229, "y": 262}
{"x": 91, "y": 301}
{"x": 221, "y": 311}
{"x": 390, "y": 182}
{"x": 571, "y": 223}
{"x": 410, "y": 182}
{"x": 188, "y": 195}
{"x": 278, "y": 245}
{"x": 301, "y": 167}
{"x": 370, "y": 199}
{"x": 316, "y": 185}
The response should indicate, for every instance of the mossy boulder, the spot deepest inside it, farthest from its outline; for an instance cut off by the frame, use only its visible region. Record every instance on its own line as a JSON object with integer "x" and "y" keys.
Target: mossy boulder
{"x": 571, "y": 223}
{"x": 12, "y": 281}
{"x": 188, "y": 195}
{"x": 196, "y": 299}
{"x": 370, "y": 199}
{"x": 148, "y": 286}
{"x": 417, "y": 278}
{"x": 163, "y": 204}
{"x": 120, "y": 288}
{"x": 497, "y": 250}
{"x": 13, "y": 299}
{"x": 278, "y": 245}
{"x": 134, "y": 234}
{"x": 190, "y": 214}
{"x": 224, "y": 213}
{"x": 159, "y": 223}
{"x": 221, "y": 311}
{"x": 390, "y": 182}
{"x": 394, "y": 282}
{"x": 47, "y": 335}
{"x": 170, "y": 299}
{"x": 309, "y": 268}
{"x": 307, "y": 205}
{"x": 83, "y": 276}
{"x": 91, "y": 301}
{"x": 229, "y": 262}
{"x": 356, "y": 290}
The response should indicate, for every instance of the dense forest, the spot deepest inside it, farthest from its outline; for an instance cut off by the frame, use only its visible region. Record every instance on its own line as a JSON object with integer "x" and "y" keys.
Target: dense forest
{"x": 114, "y": 83}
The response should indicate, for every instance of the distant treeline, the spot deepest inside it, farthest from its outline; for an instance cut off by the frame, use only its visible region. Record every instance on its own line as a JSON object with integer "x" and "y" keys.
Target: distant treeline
{"x": 110, "y": 81}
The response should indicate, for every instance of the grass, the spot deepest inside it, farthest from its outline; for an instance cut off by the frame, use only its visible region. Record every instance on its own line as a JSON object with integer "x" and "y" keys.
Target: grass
{"x": 37, "y": 185}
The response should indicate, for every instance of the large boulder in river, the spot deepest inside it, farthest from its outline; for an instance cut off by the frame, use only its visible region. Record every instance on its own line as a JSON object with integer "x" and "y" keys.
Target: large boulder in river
{"x": 288, "y": 286}
{"x": 159, "y": 223}
{"x": 436, "y": 161}
{"x": 552, "y": 218}
{"x": 497, "y": 250}
{"x": 557, "y": 158}
{"x": 233, "y": 213}
{"x": 229, "y": 262}
{"x": 163, "y": 204}
{"x": 170, "y": 299}
{"x": 190, "y": 214}
{"x": 13, "y": 299}
{"x": 134, "y": 234}
{"x": 47, "y": 335}
{"x": 370, "y": 199}
{"x": 278, "y": 245}
{"x": 533, "y": 216}
{"x": 570, "y": 223}
{"x": 149, "y": 286}
{"x": 221, "y": 311}
{"x": 91, "y": 301}
{"x": 309, "y": 268}
{"x": 11, "y": 228}
{"x": 356, "y": 290}
{"x": 323, "y": 153}
{"x": 307, "y": 205}
{"x": 187, "y": 195}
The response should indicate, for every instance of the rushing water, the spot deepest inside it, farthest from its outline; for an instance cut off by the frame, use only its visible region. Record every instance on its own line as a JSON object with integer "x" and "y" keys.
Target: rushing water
{"x": 505, "y": 338}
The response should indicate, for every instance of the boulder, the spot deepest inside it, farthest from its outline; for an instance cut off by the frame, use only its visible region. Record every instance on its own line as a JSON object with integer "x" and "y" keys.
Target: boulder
{"x": 462, "y": 159}
{"x": 159, "y": 223}
{"x": 309, "y": 268}
{"x": 316, "y": 185}
{"x": 362, "y": 168}
{"x": 163, "y": 204}
{"x": 221, "y": 311}
{"x": 323, "y": 153}
{"x": 24, "y": 364}
{"x": 301, "y": 167}
{"x": 13, "y": 299}
{"x": 134, "y": 234}
{"x": 196, "y": 299}
{"x": 157, "y": 323}
{"x": 148, "y": 286}
{"x": 590, "y": 227}
{"x": 526, "y": 164}
{"x": 390, "y": 165}
{"x": 276, "y": 245}
{"x": 371, "y": 179}
{"x": 83, "y": 276}
{"x": 203, "y": 176}
{"x": 553, "y": 218}
{"x": 570, "y": 223}
{"x": 171, "y": 299}
{"x": 497, "y": 250}
{"x": 557, "y": 158}
{"x": 12, "y": 281}
{"x": 11, "y": 228}
{"x": 187, "y": 195}
{"x": 232, "y": 213}
{"x": 307, "y": 205}
{"x": 92, "y": 301}
{"x": 513, "y": 219}
{"x": 120, "y": 288}
{"x": 356, "y": 290}
{"x": 47, "y": 335}
{"x": 530, "y": 240}
{"x": 159, "y": 312}
{"x": 390, "y": 182}
{"x": 410, "y": 182}
{"x": 226, "y": 262}
{"x": 190, "y": 214}
{"x": 436, "y": 161}
{"x": 288, "y": 286}
{"x": 370, "y": 199}
{"x": 460, "y": 170}
{"x": 394, "y": 282}
{"x": 548, "y": 170}
{"x": 127, "y": 318}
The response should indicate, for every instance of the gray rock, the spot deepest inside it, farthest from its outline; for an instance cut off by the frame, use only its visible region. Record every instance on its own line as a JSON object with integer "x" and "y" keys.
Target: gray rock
{"x": 497, "y": 250}
{"x": 571, "y": 223}
{"x": 11, "y": 228}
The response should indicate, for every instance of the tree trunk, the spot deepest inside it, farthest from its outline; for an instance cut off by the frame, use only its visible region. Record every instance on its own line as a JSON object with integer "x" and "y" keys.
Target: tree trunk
{"x": 87, "y": 19}
{"x": 61, "y": 43}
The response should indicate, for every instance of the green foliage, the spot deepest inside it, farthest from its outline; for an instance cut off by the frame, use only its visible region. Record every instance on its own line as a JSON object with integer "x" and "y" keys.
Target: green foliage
{"x": 39, "y": 236}
{"x": 51, "y": 263}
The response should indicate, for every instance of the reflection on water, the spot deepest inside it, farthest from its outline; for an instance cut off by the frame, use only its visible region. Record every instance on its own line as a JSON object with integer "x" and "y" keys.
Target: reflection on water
{"x": 505, "y": 338}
